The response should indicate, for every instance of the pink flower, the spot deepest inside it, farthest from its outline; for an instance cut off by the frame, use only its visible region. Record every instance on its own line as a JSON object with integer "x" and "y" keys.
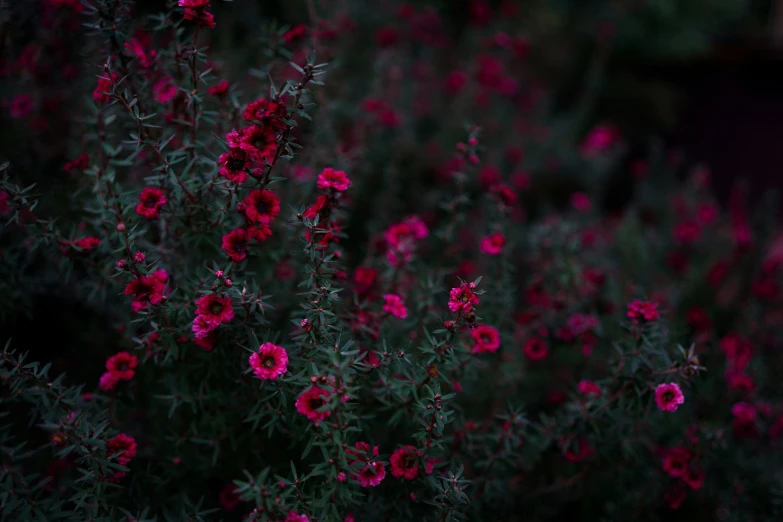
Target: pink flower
{"x": 122, "y": 365}
{"x": 589, "y": 388}
{"x": 493, "y": 244}
{"x": 581, "y": 202}
{"x": 463, "y": 298}
{"x": 333, "y": 179}
{"x": 270, "y": 362}
{"x": 394, "y": 305}
{"x": 164, "y": 90}
{"x": 293, "y": 516}
{"x": 193, "y": 4}
{"x": 108, "y": 381}
{"x": 642, "y": 312}
{"x": 214, "y": 309}
{"x": 310, "y": 401}
{"x": 487, "y": 339}
{"x": 201, "y": 327}
{"x": 668, "y": 397}
{"x": 600, "y": 139}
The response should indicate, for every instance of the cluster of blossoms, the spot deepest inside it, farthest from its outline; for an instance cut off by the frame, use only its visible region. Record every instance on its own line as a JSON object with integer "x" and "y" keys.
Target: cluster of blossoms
{"x": 401, "y": 240}
{"x": 147, "y": 290}
{"x": 346, "y": 272}
{"x": 212, "y": 310}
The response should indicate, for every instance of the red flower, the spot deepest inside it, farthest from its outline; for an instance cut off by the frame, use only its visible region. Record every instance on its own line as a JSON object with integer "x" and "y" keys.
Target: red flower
{"x": 122, "y": 443}
{"x": 80, "y": 163}
{"x": 370, "y": 473}
{"x": 259, "y": 142}
{"x": 737, "y": 350}
{"x": 600, "y": 139}
{"x": 151, "y": 200}
{"x": 267, "y": 112}
{"x": 581, "y": 202}
{"x": 642, "y": 312}
{"x": 138, "y": 49}
{"x": 83, "y": 244}
{"x": 270, "y": 362}
{"x": 589, "y": 388}
{"x": 310, "y": 401}
{"x": 229, "y": 497}
{"x": 401, "y": 240}
{"x": 698, "y": 319}
{"x": 394, "y": 305}
{"x": 147, "y": 290}
{"x": 694, "y": 478}
{"x": 193, "y": 4}
{"x": 365, "y": 278}
{"x": 221, "y": 89}
{"x": 687, "y": 231}
{"x": 214, "y": 309}
{"x": 668, "y": 397}
{"x": 487, "y": 339}
{"x": 295, "y": 34}
{"x": 493, "y": 244}
{"x": 536, "y": 349}
{"x": 293, "y": 516}
{"x": 676, "y": 461}
{"x": 122, "y": 365}
{"x": 405, "y": 463}
{"x": 317, "y": 208}
{"x": 336, "y": 180}
{"x": 505, "y": 194}
{"x": 463, "y": 298}
{"x": 202, "y": 17}
{"x": 261, "y": 206}
{"x": 575, "y": 450}
{"x": 104, "y": 86}
{"x": 233, "y": 165}
{"x": 235, "y": 244}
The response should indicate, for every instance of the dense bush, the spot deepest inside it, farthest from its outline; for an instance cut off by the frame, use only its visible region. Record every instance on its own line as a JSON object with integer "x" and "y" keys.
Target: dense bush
{"x": 374, "y": 277}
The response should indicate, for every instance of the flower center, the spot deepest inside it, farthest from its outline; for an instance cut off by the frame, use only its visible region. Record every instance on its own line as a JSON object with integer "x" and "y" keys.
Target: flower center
{"x": 268, "y": 362}
{"x": 262, "y": 207}
{"x": 236, "y": 163}
{"x": 668, "y": 396}
{"x": 216, "y": 308}
{"x": 316, "y": 402}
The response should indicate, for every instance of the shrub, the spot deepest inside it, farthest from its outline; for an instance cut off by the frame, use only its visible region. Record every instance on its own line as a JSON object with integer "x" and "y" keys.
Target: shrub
{"x": 337, "y": 300}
